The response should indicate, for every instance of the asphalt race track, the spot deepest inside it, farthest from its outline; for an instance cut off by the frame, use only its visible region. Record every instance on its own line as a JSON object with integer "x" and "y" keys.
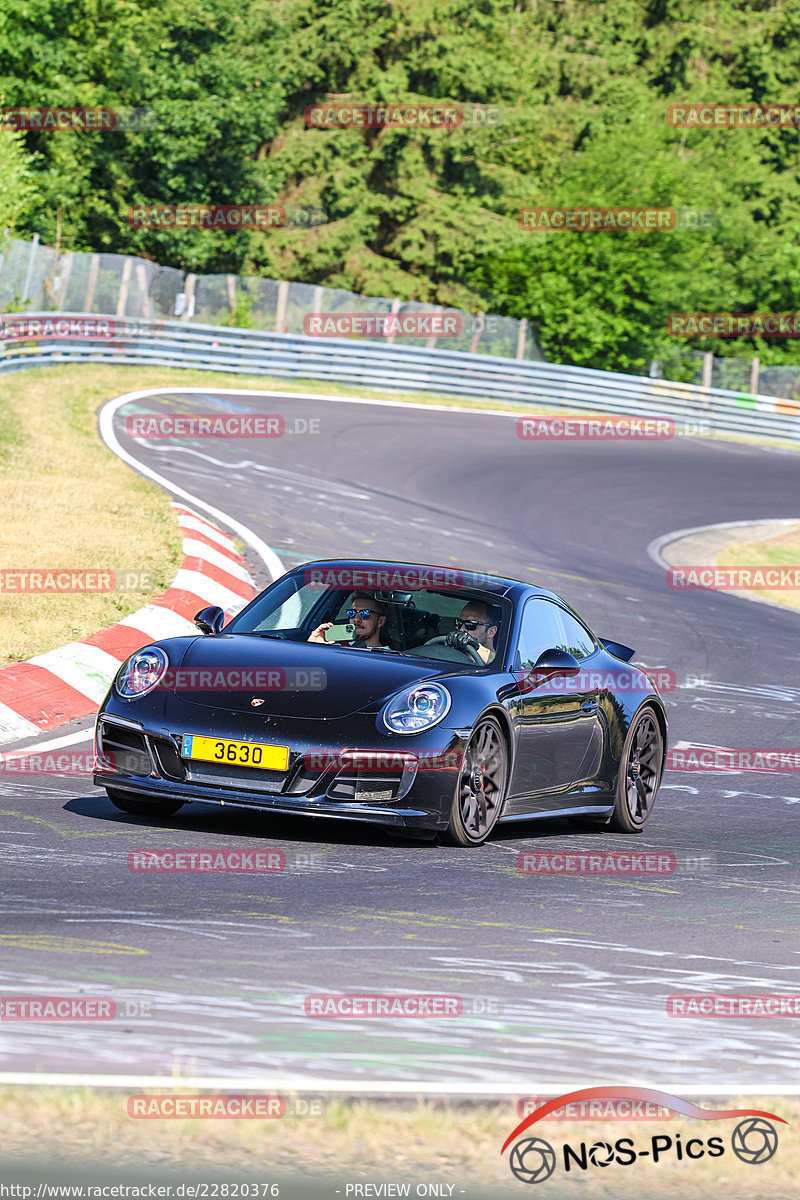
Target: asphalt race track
{"x": 564, "y": 979}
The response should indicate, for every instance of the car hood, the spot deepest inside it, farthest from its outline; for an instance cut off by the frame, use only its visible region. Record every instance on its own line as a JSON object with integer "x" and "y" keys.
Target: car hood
{"x": 293, "y": 679}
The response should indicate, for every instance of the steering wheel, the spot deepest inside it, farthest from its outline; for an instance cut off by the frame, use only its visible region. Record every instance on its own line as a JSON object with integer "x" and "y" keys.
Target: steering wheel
{"x": 470, "y": 650}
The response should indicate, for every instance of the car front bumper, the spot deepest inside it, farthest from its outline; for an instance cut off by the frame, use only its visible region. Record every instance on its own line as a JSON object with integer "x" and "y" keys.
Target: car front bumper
{"x": 384, "y": 780}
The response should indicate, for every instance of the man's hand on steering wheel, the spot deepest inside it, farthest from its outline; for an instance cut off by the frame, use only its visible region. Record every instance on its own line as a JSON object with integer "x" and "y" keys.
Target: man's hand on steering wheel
{"x": 462, "y": 640}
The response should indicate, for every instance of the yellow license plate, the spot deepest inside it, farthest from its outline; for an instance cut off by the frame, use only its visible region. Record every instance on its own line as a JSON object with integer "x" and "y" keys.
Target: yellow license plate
{"x": 236, "y": 754}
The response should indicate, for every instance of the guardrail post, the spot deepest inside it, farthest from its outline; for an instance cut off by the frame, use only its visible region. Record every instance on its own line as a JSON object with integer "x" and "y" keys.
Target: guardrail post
{"x": 64, "y": 280}
{"x": 395, "y": 309}
{"x": 430, "y": 344}
{"x": 754, "y": 365}
{"x": 477, "y": 333}
{"x": 280, "y": 313}
{"x": 708, "y": 363}
{"x": 91, "y": 283}
{"x": 523, "y": 325}
{"x": 141, "y": 279}
{"x": 29, "y": 272}
{"x": 187, "y": 312}
{"x": 122, "y": 302}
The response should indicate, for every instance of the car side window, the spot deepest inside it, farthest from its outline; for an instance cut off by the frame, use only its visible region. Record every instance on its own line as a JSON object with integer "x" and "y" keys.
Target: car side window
{"x": 575, "y": 637}
{"x": 541, "y": 630}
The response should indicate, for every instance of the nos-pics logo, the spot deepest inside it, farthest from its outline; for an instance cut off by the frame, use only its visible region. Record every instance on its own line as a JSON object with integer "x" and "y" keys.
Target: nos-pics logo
{"x": 533, "y": 1160}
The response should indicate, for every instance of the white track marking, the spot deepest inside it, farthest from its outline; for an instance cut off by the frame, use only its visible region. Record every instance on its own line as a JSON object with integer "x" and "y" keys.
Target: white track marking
{"x": 68, "y": 739}
{"x": 159, "y": 622}
{"x": 658, "y": 544}
{"x": 209, "y": 590}
{"x": 106, "y": 427}
{"x": 198, "y": 526}
{"x": 13, "y": 726}
{"x": 195, "y": 549}
{"x": 88, "y": 669}
{"x": 300, "y": 1083}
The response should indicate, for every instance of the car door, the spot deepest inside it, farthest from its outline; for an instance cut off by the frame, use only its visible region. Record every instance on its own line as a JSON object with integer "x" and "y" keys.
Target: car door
{"x": 555, "y": 718}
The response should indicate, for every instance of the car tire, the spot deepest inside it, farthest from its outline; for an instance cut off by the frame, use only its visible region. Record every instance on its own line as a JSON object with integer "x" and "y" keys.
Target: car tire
{"x": 639, "y": 774}
{"x": 142, "y": 807}
{"x": 481, "y": 787}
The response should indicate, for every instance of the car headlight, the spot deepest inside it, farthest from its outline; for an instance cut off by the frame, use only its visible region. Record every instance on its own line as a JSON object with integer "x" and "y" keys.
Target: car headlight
{"x": 418, "y": 708}
{"x": 143, "y": 671}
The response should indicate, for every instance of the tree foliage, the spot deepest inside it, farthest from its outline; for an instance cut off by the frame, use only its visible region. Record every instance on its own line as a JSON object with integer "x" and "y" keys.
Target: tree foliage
{"x": 430, "y": 214}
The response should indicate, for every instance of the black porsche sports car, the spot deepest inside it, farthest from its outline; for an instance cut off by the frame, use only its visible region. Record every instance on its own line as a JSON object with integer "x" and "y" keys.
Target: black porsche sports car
{"x": 419, "y": 698}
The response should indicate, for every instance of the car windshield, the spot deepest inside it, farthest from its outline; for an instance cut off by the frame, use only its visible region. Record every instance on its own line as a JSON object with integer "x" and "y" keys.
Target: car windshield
{"x": 417, "y": 622}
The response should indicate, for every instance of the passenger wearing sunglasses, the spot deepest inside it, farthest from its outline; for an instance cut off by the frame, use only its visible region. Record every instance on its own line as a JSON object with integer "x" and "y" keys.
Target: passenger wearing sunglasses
{"x": 477, "y": 627}
{"x": 368, "y": 616}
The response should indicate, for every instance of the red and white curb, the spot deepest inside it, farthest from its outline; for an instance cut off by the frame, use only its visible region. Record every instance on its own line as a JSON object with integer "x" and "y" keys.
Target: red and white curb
{"x": 70, "y": 682}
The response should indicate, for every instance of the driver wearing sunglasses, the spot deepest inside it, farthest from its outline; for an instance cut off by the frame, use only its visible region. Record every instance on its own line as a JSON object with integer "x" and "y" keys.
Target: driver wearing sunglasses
{"x": 368, "y": 616}
{"x": 477, "y": 627}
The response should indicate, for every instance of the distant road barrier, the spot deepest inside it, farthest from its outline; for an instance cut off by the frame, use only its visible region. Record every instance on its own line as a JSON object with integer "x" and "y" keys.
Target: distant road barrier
{"x": 99, "y": 338}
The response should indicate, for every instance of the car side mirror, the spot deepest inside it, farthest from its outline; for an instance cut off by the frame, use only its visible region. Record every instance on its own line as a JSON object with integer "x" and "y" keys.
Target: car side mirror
{"x": 210, "y": 620}
{"x": 556, "y": 662}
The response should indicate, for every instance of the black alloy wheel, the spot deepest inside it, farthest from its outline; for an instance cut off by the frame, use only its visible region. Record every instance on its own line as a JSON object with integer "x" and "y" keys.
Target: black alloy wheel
{"x": 481, "y": 788}
{"x": 639, "y": 773}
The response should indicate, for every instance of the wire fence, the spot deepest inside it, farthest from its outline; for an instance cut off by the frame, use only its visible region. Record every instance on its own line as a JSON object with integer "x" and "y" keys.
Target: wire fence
{"x": 748, "y": 376}
{"x": 37, "y": 278}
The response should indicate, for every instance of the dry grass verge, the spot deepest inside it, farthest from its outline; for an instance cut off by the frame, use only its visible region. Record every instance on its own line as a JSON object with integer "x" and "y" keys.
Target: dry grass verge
{"x": 780, "y": 551}
{"x": 366, "y": 1141}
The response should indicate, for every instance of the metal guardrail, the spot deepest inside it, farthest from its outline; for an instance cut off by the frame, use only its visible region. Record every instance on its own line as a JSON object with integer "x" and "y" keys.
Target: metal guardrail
{"x": 167, "y": 343}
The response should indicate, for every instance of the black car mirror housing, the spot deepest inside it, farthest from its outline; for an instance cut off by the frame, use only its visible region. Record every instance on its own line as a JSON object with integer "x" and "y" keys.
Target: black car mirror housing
{"x": 210, "y": 620}
{"x": 555, "y": 662}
